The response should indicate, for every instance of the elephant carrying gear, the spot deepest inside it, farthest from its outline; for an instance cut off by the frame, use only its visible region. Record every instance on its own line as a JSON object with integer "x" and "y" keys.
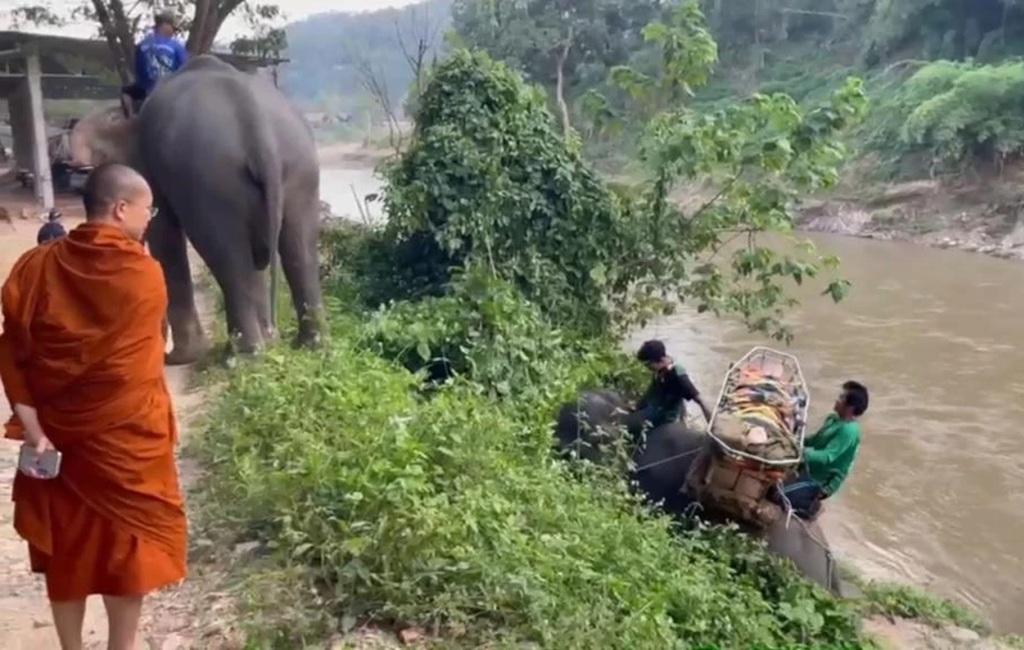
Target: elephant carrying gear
{"x": 662, "y": 467}
{"x": 757, "y": 433}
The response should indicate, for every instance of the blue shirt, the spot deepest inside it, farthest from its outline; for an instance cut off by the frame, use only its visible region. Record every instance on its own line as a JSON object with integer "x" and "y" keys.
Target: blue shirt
{"x": 157, "y": 56}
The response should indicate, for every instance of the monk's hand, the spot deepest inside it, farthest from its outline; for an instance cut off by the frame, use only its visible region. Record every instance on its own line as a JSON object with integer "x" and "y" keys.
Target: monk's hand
{"x": 35, "y": 437}
{"x": 43, "y": 444}
{"x": 34, "y": 434}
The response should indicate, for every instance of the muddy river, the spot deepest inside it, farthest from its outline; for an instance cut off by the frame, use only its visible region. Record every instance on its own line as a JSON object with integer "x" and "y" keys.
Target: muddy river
{"x": 936, "y": 496}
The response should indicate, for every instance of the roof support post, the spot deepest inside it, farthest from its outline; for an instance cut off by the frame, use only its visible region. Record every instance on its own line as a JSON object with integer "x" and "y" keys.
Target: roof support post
{"x": 43, "y": 181}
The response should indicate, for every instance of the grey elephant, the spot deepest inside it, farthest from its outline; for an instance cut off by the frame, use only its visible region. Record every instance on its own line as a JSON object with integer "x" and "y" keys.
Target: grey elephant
{"x": 662, "y": 463}
{"x": 234, "y": 170}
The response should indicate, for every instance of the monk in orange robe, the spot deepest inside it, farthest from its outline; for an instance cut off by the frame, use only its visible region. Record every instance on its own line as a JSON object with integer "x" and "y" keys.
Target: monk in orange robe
{"x": 81, "y": 358}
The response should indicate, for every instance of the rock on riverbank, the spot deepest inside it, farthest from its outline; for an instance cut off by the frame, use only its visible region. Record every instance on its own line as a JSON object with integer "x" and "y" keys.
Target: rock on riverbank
{"x": 902, "y": 634}
{"x": 985, "y": 218}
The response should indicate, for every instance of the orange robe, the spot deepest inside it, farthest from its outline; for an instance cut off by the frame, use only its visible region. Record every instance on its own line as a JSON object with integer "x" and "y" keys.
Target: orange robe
{"x": 82, "y": 343}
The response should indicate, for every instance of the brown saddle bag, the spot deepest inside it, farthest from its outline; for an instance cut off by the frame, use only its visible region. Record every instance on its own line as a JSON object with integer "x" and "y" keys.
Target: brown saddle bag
{"x": 735, "y": 488}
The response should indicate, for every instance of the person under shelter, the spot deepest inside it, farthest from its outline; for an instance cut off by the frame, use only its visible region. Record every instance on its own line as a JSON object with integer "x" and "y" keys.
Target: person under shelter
{"x": 829, "y": 454}
{"x": 52, "y": 229}
{"x": 81, "y": 358}
{"x": 669, "y": 390}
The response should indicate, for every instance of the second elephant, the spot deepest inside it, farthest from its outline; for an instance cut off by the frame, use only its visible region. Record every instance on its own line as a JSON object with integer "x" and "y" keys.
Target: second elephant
{"x": 662, "y": 466}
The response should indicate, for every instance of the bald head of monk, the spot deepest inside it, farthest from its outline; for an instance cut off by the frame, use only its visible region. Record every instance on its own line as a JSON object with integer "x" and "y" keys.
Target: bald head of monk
{"x": 120, "y": 196}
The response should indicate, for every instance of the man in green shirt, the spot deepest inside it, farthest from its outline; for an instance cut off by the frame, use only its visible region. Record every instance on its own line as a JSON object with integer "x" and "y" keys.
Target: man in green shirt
{"x": 828, "y": 454}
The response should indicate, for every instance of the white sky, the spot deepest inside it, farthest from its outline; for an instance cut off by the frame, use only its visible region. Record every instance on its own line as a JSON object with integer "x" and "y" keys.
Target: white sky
{"x": 293, "y": 10}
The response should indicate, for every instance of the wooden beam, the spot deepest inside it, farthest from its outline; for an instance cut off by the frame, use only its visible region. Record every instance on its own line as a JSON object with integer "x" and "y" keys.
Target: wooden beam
{"x": 60, "y": 77}
{"x": 41, "y": 156}
{"x": 8, "y": 55}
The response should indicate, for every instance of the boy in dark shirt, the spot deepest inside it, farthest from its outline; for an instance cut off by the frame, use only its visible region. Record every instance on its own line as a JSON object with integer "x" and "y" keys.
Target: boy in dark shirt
{"x": 670, "y": 389}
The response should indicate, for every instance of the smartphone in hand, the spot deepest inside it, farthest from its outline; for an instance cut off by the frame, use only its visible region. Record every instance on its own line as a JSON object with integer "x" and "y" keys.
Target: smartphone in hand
{"x": 44, "y": 465}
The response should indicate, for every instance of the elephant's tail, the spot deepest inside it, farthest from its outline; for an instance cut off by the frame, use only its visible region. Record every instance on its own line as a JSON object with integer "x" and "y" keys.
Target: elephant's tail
{"x": 266, "y": 170}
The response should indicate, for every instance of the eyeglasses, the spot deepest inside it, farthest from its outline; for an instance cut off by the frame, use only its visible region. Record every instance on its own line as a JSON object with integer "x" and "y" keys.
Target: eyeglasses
{"x": 153, "y": 210}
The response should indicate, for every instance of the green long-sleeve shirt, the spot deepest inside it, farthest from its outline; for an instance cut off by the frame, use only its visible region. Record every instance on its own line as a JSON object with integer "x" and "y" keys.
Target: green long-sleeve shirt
{"x": 831, "y": 451}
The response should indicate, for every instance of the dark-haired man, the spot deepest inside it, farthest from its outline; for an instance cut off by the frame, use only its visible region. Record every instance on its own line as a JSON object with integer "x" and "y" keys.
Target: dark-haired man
{"x": 670, "y": 388}
{"x": 828, "y": 454}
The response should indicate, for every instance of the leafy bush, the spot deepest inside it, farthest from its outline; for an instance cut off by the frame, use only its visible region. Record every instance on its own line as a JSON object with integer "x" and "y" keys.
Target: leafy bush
{"x": 912, "y": 603}
{"x": 488, "y": 180}
{"x": 450, "y": 511}
{"x": 483, "y": 330}
{"x": 744, "y": 166}
{"x": 979, "y": 115}
{"x": 954, "y": 114}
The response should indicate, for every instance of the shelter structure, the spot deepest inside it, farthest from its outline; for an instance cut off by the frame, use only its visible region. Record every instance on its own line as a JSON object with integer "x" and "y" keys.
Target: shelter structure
{"x": 34, "y": 67}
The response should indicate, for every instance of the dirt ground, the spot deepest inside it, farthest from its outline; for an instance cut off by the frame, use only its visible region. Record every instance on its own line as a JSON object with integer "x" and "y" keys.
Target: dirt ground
{"x": 195, "y": 615}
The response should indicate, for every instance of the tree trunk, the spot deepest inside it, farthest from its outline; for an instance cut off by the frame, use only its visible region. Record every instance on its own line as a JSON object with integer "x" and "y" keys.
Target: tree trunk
{"x": 200, "y": 17}
{"x": 960, "y": 30}
{"x": 1002, "y": 25}
{"x": 207, "y": 20}
{"x": 123, "y": 31}
{"x": 121, "y": 62}
{"x": 560, "y": 83}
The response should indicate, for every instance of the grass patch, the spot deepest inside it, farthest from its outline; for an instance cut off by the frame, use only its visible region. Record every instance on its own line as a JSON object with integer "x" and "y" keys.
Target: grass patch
{"x": 450, "y": 513}
{"x": 903, "y": 601}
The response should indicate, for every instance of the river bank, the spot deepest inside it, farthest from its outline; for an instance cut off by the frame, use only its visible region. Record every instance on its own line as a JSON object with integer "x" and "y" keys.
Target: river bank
{"x": 257, "y": 483}
{"x": 977, "y": 214}
{"x": 973, "y": 214}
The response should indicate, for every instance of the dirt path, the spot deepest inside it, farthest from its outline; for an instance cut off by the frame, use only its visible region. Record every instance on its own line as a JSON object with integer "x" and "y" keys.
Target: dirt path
{"x": 187, "y": 617}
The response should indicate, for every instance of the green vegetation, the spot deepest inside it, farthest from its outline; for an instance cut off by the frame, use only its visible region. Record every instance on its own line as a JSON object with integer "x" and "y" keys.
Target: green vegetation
{"x": 909, "y": 602}
{"x": 954, "y": 114}
{"x": 450, "y": 512}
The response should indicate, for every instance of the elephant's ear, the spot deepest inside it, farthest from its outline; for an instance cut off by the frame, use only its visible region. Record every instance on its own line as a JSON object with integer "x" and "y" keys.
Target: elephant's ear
{"x": 113, "y": 117}
{"x": 102, "y": 136}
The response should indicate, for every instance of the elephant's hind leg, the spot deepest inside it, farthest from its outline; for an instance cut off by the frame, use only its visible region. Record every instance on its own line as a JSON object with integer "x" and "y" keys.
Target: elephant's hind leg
{"x": 300, "y": 262}
{"x": 168, "y": 245}
{"x": 217, "y": 228}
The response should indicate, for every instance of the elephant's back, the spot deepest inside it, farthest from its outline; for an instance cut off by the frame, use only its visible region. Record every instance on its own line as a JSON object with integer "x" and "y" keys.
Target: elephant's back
{"x": 214, "y": 92}
{"x": 670, "y": 451}
{"x": 218, "y": 110}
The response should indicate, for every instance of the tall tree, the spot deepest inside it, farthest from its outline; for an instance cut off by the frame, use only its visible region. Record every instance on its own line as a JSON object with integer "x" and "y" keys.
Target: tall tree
{"x": 555, "y": 41}
{"x": 122, "y": 23}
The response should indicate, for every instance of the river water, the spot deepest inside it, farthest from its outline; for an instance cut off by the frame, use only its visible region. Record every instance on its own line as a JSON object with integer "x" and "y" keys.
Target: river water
{"x": 937, "y": 495}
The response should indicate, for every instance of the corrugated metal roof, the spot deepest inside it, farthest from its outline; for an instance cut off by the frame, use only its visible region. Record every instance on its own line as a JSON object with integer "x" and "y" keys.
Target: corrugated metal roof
{"x": 99, "y": 50}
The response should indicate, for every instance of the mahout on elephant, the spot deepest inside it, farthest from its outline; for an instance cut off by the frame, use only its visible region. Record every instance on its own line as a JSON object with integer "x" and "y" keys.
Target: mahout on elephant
{"x": 234, "y": 170}
{"x": 592, "y": 426}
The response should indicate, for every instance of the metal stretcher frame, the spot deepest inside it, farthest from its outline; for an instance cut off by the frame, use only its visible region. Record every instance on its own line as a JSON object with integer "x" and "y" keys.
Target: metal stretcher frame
{"x": 791, "y": 363}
